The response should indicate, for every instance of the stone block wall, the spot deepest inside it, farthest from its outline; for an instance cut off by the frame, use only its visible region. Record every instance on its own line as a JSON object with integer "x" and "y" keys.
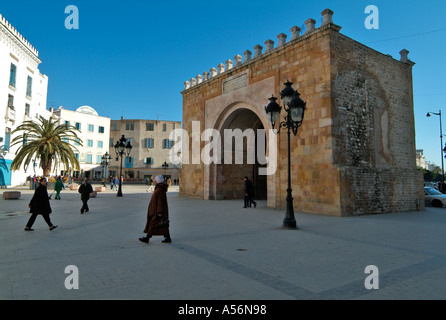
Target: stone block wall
{"x": 373, "y": 130}
{"x": 355, "y": 151}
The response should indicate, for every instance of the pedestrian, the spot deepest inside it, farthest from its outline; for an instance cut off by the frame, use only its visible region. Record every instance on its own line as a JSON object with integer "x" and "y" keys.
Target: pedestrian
{"x": 40, "y": 204}
{"x": 58, "y": 187}
{"x": 115, "y": 183}
{"x": 85, "y": 189}
{"x": 34, "y": 179}
{"x": 158, "y": 213}
{"x": 249, "y": 193}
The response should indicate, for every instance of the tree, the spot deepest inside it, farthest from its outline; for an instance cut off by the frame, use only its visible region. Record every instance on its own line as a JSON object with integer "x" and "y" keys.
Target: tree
{"x": 46, "y": 141}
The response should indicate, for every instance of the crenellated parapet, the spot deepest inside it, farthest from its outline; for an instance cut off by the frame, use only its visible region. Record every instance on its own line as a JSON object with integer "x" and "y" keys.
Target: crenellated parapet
{"x": 269, "y": 47}
{"x": 13, "y": 31}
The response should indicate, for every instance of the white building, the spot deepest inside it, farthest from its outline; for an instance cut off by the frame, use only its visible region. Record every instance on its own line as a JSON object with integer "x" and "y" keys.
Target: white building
{"x": 23, "y": 94}
{"x": 95, "y": 136}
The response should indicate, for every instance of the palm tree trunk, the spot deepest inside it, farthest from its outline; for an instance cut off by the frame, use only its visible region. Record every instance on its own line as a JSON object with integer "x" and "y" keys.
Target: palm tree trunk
{"x": 47, "y": 167}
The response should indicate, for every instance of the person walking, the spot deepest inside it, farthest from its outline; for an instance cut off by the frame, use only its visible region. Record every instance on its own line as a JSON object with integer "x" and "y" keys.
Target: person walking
{"x": 40, "y": 204}
{"x": 115, "y": 183}
{"x": 58, "y": 187}
{"x": 85, "y": 189}
{"x": 158, "y": 213}
{"x": 249, "y": 193}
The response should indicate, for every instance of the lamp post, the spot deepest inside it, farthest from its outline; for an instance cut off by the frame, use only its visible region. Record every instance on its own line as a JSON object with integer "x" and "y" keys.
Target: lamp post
{"x": 122, "y": 147}
{"x": 165, "y": 165}
{"x": 429, "y": 114}
{"x": 106, "y": 159}
{"x": 294, "y": 116}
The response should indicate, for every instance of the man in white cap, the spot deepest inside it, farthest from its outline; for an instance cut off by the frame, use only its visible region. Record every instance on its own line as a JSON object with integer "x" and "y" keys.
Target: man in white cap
{"x": 158, "y": 213}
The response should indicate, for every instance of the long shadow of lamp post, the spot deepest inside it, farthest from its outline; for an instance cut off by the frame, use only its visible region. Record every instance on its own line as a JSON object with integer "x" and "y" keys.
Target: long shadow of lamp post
{"x": 122, "y": 148}
{"x": 294, "y": 116}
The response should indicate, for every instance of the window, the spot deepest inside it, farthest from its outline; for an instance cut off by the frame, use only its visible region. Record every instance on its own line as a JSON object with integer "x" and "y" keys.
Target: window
{"x": 11, "y": 101}
{"x": 12, "y": 75}
{"x": 130, "y": 140}
{"x": 98, "y": 159}
{"x": 29, "y": 87}
{"x": 148, "y": 160}
{"x": 129, "y": 162}
{"x": 111, "y": 143}
{"x": 90, "y": 143}
{"x": 129, "y": 126}
{"x": 78, "y": 125}
{"x": 164, "y": 127}
{"x": 101, "y": 130}
{"x": 89, "y": 158}
{"x": 67, "y": 123}
{"x": 167, "y": 144}
{"x": 115, "y": 126}
{"x": 77, "y": 142}
{"x": 91, "y": 128}
{"x": 27, "y": 110}
{"x": 149, "y": 143}
{"x": 25, "y": 139}
{"x": 77, "y": 156}
{"x": 7, "y": 139}
{"x": 150, "y": 126}
{"x": 100, "y": 144}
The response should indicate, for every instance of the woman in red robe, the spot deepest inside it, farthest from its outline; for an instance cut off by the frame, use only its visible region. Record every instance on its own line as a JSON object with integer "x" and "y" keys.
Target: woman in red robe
{"x": 158, "y": 213}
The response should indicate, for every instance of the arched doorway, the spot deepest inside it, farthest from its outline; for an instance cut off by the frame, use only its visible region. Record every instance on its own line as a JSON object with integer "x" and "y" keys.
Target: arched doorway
{"x": 227, "y": 177}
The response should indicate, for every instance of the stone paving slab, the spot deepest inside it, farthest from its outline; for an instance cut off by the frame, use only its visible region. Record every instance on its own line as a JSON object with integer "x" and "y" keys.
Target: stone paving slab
{"x": 220, "y": 251}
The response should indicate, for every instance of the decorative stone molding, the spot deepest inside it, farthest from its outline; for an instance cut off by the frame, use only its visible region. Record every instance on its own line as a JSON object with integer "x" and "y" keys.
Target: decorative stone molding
{"x": 269, "y": 45}
{"x": 282, "y": 39}
{"x": 221, "y": 68}
{"x": 295, "y": 31}
{"x": 238, "y": 60}
{"x": 311, "y": 25}
{"x": 248, "y": 55}
{"x": 328, "y": 16}
{"x": 229, "y": 64}
{"x": 258, "y": 50}
{"x": 213, "y": 72}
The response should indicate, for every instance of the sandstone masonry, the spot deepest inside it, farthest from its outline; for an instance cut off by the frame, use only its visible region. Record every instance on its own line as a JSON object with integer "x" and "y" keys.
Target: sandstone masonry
{"x": 355, "y": 152}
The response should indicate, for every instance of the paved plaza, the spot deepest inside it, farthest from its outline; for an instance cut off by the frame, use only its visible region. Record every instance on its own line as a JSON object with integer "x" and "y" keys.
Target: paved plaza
{"x": 220, "y": 251}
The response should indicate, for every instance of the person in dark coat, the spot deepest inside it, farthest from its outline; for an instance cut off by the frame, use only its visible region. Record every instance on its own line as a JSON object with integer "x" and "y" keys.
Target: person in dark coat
{"x": 158, "y": 213}
{"x": 40, "y": 204}
{"x": 249, "y": 193}
{"x": 85, "y": 189}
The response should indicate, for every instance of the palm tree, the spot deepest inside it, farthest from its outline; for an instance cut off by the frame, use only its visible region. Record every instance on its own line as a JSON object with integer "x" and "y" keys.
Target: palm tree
{"x": 46, "y": 141}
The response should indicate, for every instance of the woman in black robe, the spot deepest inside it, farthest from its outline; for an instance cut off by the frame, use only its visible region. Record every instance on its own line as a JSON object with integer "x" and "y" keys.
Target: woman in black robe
{"x": 40, "y": 204}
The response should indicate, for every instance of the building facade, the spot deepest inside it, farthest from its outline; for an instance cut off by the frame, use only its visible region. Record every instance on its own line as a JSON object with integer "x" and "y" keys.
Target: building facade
{"x": 95, "y": 136}
{"x": 355, "y": 151}
{"x": 23, "y": 95}
{"x": 151, "y": 148}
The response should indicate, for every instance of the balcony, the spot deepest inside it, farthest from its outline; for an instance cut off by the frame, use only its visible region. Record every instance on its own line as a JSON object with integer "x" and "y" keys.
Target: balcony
{"x": 10, "y": 114}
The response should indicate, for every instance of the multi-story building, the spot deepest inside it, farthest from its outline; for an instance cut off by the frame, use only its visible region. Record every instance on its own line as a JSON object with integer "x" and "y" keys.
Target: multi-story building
{"x": 94, "y": 134}
{"x": 421, "y": 159}
{"x": 151, "y": 148}
{"x": 23, "y": 95}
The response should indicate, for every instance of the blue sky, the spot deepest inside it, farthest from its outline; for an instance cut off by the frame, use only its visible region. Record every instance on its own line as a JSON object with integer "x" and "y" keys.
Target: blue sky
{"x": 131, "y": 58}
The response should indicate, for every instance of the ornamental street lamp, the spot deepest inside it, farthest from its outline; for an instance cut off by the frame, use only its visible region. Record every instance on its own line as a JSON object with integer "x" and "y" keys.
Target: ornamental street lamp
{"x": 165, "y": 165}
{"x": 106, "y": 159}
{"x": 295, "y": 110}
{"x": 122, "y": 147}
{"x": 429, "y": 114}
